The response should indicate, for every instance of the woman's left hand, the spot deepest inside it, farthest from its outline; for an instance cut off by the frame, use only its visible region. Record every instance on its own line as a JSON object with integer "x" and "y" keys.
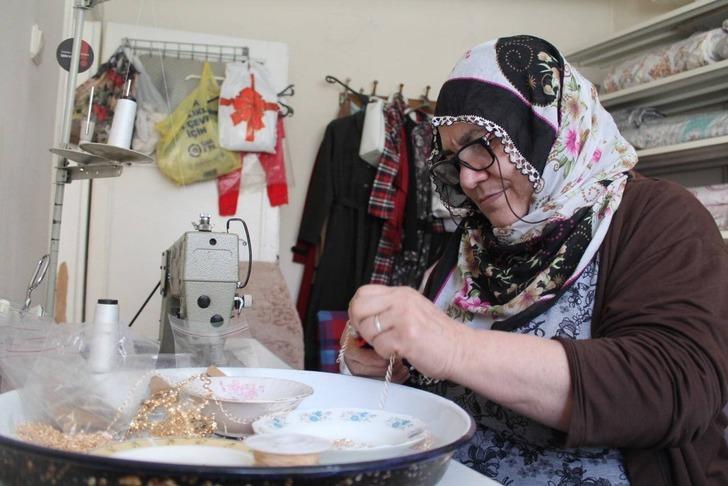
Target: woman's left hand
{"x": 401, "y": 321}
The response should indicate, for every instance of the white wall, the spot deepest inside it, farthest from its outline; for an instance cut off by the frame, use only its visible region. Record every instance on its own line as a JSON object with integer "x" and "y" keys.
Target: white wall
{"x": 414, "y": 42}
{"x": 28, "y": 96}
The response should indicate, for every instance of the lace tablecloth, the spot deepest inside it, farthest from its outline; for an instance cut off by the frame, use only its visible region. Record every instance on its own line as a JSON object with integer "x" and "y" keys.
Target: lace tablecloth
{"x": 273, "y": 319}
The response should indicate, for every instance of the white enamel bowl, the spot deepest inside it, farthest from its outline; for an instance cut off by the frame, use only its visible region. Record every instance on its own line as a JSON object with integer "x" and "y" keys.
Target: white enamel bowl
{"x": 449, "y": 425}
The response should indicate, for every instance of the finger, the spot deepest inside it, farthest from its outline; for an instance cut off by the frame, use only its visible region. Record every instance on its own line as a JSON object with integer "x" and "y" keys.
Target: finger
{"x": 369, "y": 300}
{"x": 400, "y": 375}
{"x": 370, "y": 290}
{"x": 365, "y": 362}
{"x": 371, "y": 327}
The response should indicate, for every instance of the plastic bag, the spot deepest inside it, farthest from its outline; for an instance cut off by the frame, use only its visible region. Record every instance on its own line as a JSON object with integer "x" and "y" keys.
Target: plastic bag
{"x": 275, "y": 170}
{"x": 248, "y": 109}
{"x": 228, "y": 190}
{"x": 152, "y": 108}
{"x": 188, "y": 150}
{"x": 47, "y": 363}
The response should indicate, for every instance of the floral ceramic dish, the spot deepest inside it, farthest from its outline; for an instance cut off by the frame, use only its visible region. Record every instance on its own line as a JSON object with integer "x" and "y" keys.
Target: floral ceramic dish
{"x": 358, "y": 434}
{"x": 237, "y": 401}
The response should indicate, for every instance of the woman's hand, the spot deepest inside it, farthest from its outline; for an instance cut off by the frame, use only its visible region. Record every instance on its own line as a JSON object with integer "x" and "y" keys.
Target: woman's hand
{"x": 366, "y": 362}
{"x": 399, "y": 320}
{"x": 527, "y": 374}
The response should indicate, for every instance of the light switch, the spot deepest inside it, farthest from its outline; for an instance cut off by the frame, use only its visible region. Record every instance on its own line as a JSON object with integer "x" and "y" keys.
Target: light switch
{"x": 36, "y": 43}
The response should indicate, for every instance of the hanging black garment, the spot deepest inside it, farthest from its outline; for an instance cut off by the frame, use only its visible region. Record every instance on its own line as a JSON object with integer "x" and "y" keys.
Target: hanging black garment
{"x": 338, "y": 198}
{"x": 423, "y": 236}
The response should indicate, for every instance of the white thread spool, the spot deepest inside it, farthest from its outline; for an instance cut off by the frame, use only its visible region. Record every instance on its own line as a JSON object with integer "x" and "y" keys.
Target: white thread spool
{"x": 122, "y": 126}
{"x": 105, "y": 336}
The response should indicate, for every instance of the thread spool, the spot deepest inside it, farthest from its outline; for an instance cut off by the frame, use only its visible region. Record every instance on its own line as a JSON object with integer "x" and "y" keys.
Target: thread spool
{"x": 122, "y": 126}
{"x": 286, "y": 450}
{"x": 105, "y": 336}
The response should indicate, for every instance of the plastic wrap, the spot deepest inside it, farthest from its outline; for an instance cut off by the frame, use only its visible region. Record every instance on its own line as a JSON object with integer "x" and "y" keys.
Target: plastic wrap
{"x": 152, "y": 108}
{"x": 208, "y": 346}
{"x": 47, "y": 363}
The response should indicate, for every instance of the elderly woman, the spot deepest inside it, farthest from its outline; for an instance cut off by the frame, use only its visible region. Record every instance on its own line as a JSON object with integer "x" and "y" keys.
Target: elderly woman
{"x": 580, "y": 313}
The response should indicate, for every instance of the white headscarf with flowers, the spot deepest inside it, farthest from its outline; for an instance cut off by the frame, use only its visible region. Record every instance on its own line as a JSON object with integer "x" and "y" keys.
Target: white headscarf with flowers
{"x": 586, "y": 165}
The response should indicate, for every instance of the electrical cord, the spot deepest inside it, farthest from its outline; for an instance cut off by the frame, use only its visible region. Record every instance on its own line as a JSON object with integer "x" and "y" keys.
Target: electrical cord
{"x": 145, "y": 303}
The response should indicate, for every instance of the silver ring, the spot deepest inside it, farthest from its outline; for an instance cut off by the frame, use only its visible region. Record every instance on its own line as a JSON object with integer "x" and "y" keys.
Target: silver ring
{"x": 378, "y": 324}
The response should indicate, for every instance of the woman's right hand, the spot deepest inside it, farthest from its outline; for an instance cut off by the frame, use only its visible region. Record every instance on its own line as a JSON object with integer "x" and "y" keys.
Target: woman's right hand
{"x": 364, "y": 361}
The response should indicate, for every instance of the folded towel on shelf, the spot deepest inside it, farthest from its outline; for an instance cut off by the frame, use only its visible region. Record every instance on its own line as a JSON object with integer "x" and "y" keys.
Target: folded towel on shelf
{"x": 715, "y": 199}
{"x": 700, "y": 49}
{"x": 635, "y": 117}
{"x": 659, "y": 132}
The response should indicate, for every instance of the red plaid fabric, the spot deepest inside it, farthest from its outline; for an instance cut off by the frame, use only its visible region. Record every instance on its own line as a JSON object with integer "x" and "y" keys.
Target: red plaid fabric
{"x": 381, "y": 201}
{"x": 389, "y": 192}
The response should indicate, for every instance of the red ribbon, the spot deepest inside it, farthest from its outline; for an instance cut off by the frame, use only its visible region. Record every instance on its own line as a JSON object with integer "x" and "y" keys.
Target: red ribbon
{"x": 249, "y": 106}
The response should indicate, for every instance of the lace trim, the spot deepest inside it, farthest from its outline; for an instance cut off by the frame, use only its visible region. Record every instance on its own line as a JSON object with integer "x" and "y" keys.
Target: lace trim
{"x": 420, "y": 379}
{"x": 515, "y": 156}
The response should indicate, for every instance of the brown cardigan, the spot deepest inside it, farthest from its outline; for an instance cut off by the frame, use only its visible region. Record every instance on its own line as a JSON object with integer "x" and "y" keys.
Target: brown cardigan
{"x": 653, "y": 383}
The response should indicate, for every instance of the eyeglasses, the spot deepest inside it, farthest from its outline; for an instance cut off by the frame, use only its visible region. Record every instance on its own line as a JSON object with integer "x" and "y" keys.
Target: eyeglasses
{"x": 476, "y": 155}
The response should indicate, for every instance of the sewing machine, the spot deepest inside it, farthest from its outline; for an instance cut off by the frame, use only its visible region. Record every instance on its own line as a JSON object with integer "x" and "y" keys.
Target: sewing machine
{"x": 200, "y": 280}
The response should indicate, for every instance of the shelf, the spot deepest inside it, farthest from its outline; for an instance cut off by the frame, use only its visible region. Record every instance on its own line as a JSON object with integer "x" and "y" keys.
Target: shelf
{"x": 697, "y": 88}
{"x": 671, "y": 26}
{"x": 689, "y": 156}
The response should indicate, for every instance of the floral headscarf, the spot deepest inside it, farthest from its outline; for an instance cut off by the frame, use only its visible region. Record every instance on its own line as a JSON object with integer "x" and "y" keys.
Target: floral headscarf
{"x": 555, "y": 131}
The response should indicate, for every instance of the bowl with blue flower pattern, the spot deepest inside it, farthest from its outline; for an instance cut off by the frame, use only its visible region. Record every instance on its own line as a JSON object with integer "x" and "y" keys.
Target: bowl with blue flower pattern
{"x": 358, "y": 434}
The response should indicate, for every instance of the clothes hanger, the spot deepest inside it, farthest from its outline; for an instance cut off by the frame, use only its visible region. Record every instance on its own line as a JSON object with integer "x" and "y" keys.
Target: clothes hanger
{"x": 285, "y": 110}
{"x": 423, "y": 104}
{"x": 361, "y": 97}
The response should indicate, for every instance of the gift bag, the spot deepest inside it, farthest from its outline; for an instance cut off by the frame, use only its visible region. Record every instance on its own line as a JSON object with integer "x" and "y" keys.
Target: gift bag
{"x": 371, "y": 146}
{"x": 248, "y": 109}
{"x": 188, "y": 149}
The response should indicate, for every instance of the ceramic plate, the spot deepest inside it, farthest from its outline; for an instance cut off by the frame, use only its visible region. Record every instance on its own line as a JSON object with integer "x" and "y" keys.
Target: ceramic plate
{"x": 358, "y": 434}
{"x": 201, "y": 452}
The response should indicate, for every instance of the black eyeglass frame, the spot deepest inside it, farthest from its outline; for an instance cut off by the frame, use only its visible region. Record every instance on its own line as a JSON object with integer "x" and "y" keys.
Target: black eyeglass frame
{"x": 456, "y": 162}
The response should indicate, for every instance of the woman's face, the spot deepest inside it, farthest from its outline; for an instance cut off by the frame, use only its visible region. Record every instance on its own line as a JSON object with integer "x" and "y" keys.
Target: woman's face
{"x": 489, "y": 188}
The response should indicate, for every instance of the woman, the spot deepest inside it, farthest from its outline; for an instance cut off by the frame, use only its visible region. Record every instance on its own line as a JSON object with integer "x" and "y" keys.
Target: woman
{"x": 580, "y": 312}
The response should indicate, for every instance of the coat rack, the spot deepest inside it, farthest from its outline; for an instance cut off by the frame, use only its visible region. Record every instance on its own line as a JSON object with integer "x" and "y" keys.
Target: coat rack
{"x": 423, "y": 103}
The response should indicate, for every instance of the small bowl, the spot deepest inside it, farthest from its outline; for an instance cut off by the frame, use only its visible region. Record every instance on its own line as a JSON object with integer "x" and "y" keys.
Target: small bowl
{"x": 286, "y": 450}
{"x": 237, "y": 401}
